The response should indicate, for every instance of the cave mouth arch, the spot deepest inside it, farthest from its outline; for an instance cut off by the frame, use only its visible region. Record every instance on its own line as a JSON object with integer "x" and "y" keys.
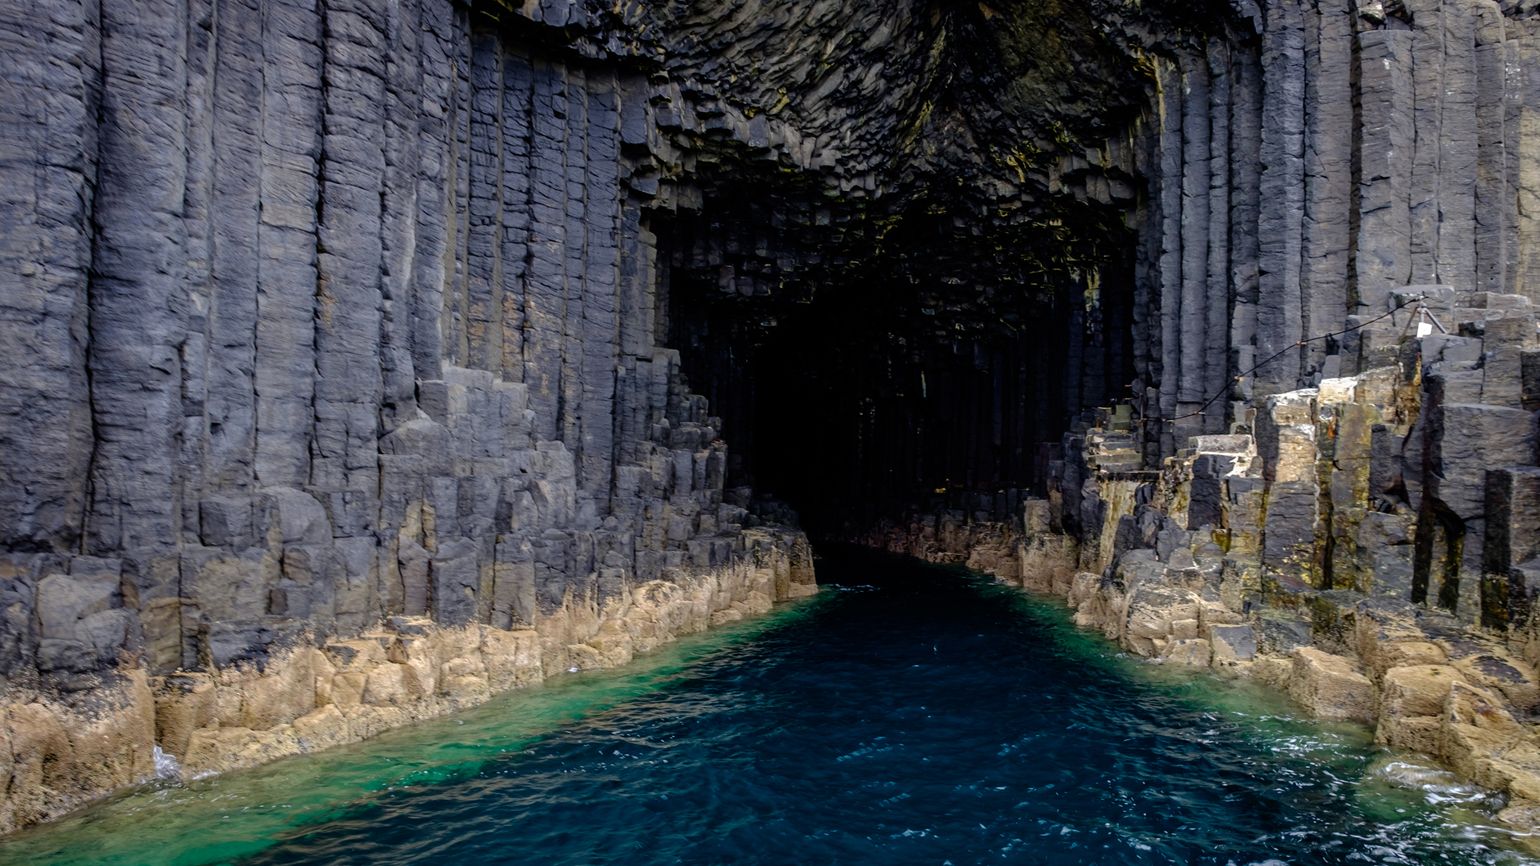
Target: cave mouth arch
{"x": 913, "y": 320}
{"x": 899, "y": 251}
{"x": 867, "y": 360}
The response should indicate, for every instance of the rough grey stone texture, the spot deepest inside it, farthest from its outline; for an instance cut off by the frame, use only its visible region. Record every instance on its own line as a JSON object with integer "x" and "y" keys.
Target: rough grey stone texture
{"x": 328, "y": 313}
{"x": 324, "y": 313}
{"x": 52, "y": 102}
{"x": 1351, "y": 154}
{"x": 1280, "y": 226}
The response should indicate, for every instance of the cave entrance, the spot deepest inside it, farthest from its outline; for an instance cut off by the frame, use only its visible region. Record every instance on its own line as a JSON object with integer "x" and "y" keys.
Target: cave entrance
{"x": 867, "y": 362}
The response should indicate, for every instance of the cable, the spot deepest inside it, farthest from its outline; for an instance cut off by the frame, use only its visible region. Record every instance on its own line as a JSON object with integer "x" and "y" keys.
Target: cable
{"x": 1264, "y": 362}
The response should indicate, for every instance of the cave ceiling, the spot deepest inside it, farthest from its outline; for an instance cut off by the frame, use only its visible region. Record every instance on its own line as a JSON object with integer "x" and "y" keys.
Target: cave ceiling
{"x": 950, "y": 126}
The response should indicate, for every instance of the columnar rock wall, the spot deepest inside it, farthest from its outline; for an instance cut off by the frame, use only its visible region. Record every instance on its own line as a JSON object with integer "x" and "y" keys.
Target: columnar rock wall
{"x": 1327, "y": 183}
{"x": 334, "y": 326}
{"x": 1305, "y": 164}
{"x": 341, "y": 344}
{"x": 1326, "y": 474}
{"x": 1291, "y": 556}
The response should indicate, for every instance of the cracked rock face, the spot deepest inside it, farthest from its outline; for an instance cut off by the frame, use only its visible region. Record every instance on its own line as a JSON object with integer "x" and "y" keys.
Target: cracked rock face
{"x": 328, "y": 314}
{"x": 333, "y": 320}
{"x": 330, "y": 321}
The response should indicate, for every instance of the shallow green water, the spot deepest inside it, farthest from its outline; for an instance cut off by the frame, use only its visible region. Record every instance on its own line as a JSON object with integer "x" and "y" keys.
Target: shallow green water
{"x": 906, "y": 715}
{"x": 223, "y": 818}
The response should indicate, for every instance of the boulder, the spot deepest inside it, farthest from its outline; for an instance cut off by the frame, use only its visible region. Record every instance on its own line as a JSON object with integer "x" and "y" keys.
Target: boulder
{"x": 1330, "y": 686}
{"x": 1233, "y": 643}
{"x": 1195, "y": 652}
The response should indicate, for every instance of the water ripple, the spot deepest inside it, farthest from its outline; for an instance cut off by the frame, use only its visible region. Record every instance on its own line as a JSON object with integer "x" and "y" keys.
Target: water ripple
{"x": 909, "y": 715}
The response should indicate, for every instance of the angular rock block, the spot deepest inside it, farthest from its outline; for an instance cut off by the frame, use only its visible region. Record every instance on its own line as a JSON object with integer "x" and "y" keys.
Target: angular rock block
{"x": 1330, "y": 686}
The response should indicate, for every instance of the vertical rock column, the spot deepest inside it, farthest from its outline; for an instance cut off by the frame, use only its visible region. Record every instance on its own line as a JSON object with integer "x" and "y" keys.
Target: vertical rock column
{"x": 52, "y": 102}
{"x": 1328, "y": 152}
{"x": 1192, "y": 322}
{"x": 1427, "y": 126}
{"x": 138, "y": 305}
{"x": 1217, "y": 300}
{"x": 1523, "y": 121}
{"x": 1169, "y": 271}
{"x": 286, "y": 243}
{"x": 1245, "y": 209}
{"x": 546, "y": 298}
{"x": 1279, "y": 228}
{"x": 1493, "y": 192}
{"x": 574, "y": 209}
{"x": 230, "y": 411}
{"x": 348, "y": 384}
{"x": 515, "y": 222}
{"x": 1458, "y": 138}
{"x": 485, "y": 282}
{"x": 1386, "y": 138}
{"x": 600, "y": 343}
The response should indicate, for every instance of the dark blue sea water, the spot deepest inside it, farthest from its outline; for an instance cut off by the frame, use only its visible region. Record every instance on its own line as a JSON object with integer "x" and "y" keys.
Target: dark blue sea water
{"x": 915, "y": 716}
{"x": 910, "y": 714}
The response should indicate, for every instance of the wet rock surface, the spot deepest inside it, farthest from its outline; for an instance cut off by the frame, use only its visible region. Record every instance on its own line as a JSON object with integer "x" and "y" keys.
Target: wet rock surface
{"x": 1329, "y": 435}
{"x": 1361, "y": 599}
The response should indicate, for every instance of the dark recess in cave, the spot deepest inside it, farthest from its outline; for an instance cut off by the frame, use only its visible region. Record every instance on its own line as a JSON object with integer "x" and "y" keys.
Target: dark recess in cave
{"x": 911, "y": 360}
{"x": 925, "y": 341}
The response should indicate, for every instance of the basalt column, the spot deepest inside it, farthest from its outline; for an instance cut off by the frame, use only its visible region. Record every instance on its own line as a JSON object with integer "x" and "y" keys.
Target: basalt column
{"x": 334, "y": 391}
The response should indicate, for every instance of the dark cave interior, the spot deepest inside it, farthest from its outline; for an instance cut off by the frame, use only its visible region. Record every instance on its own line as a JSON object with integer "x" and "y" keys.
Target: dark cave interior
{"x": 923, "y": 334}
{"x": 867, "y": 362}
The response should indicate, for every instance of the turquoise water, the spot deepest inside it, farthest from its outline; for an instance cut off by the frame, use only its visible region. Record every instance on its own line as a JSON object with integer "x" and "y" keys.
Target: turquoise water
{"x": 908, "y": 714}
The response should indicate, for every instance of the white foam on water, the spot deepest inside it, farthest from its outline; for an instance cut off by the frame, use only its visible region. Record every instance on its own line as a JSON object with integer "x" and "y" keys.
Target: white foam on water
{"x": 166, "y": 764}
{"x": 1438, "y": 786}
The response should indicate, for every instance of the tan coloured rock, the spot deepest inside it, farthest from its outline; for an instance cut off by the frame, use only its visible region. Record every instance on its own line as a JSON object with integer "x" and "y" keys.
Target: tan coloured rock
{"x": 1273, "y": 671}
{"x": 512, "y": 658}
{"x": 614, "y": 643}
{"x": 1405, "y": 653}
{"x": 464, "y": 666}
{"x": 7, "y": 770}
{"x": 1048, "y": 564}
{"x": 281, "y": 696}
{"x": 219, "y": 750}
{"x": 322, "y": 729}
{"x": 1151, "y": 612}
{"x": 1083, "y": 588}
{"x": 38, "y": 743}
{"x": 60, "y": 756}
{"x": 723, "y": 617}
{"x": 584, "y": 657}
{"x": 1330, "y": 686}
{"x": 420, "y": 658}
{"x": 322, "y": 671}
{"x": 1416, "y": 690}
{"x": 1422, "y": 734}
{"x": 389, "y": 684}
{"x": 359, "y": 654}
{"x": 183, "y": 704}
{"x": 1411, "y": 702}
{"x": 1482, "y": 741}
{"x": 1501, "y": 673}
{"x": 1522, "y": 813}
{"x": 1195, "y": 652}
{"x": 467, "y": 691}
{"x": 366, "y": 721}
{"x": 347, "y": 688}
{"x": 1213, "y": 613}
